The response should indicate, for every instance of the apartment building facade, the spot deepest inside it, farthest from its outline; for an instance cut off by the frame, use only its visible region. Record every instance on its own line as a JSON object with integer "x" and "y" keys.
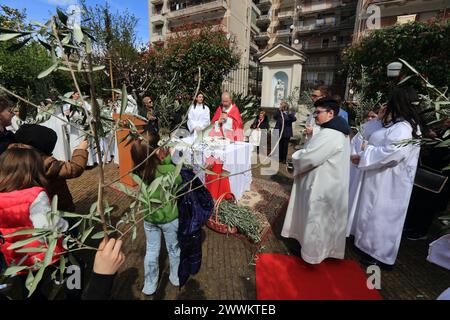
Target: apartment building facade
{"x": 374, "y": 14}
{"x": 319, "y": 28}
{"x": 236, "y": 17}
{"x": 323, "y": 29}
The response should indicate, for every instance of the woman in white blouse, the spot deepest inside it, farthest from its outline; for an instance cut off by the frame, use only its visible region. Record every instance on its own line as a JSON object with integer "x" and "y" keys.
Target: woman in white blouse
{"x": 199, "y": 116}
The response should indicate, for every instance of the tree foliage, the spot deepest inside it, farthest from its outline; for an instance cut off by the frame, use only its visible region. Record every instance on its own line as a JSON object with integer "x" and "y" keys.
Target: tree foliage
{"x": 117, "y": 41}
{"x": 20, "y": 68}
{"x": 198, "y": 46}
{"x": 424, "y": 45}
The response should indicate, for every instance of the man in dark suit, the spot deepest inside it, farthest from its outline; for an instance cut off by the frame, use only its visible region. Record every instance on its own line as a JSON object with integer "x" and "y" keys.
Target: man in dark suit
{"x": 289, "y": 117}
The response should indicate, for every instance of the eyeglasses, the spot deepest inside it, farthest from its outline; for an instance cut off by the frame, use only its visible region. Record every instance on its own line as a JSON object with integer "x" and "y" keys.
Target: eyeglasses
{"x": 316, "y": 113}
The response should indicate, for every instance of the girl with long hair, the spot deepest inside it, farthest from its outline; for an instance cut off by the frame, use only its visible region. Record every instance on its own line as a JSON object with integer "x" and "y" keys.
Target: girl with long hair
{"x": 388, "y": 164}
{"x": 157, "y": 219}
{"x": 24, "y": 204}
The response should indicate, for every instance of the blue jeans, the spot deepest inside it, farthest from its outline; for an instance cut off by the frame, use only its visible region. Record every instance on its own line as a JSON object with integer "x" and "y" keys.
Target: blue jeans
{"x": 151, "y": 261}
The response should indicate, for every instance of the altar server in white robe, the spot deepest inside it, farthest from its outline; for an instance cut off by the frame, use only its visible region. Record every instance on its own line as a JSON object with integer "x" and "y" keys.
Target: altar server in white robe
{"x": 76, "y": 134}
{"x": 58, "y": 123}
{"x": 199, "y": 117}
{"x": 387, "y": 182}
{"x": 318, "y": 207}
{"x": 371, "y": 125}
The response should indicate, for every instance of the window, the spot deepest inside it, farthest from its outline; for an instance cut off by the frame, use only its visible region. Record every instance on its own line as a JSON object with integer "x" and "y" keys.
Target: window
{"x": 330, "y": 20}
{"x": 325, "y": 43}
{"x": 157, "y": 9}
{"x": 323, "y": 60}
{"x": 158, "y": 30}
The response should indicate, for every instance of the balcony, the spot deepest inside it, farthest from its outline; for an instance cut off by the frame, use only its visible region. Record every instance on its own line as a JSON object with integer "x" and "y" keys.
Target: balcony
{"x": 199, "y": 9}
{"x": 263, "y": 36}
{"x": 263, "y": 20}
{"x": 320, "y": 66}
{"x": 157, "y": 37}
{"x": 253, "y": 47}
{"x": 264, "y": 4}
{"x": 324, "y": 27}
{"x": 285, "y": 15}
{"x": 255, "y": 28}
{"x": 157, "y": 19}
{"x": 324, "y": 48}
{"x": 321, "y": 7}
{"x": 283, "y": 33}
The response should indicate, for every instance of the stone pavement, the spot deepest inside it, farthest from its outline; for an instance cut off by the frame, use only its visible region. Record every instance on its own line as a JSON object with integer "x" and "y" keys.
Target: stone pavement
{"x": 228, "y": 266}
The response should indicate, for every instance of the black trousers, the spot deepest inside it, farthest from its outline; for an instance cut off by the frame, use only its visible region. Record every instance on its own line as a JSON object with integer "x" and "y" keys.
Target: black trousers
{"x": 424, "y": 206}
{"x": 283, "y": 149}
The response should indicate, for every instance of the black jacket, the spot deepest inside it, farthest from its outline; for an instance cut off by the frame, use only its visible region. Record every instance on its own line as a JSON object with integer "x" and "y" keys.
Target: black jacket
{"x": 289, "y": 118}
{"x": 339, "y": 124}
{"x": 263, "y": 125}
{"x": 99, "y": 288}
{"x": 194, "y": 210}
{"x": 6, "y": 138}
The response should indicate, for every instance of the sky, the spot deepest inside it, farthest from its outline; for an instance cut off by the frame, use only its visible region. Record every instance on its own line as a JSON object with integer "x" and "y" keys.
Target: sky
{"x": 40, "y": 10}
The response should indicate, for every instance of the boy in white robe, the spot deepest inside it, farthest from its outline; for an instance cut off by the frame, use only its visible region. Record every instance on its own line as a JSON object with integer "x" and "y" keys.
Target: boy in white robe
{"x": 318, "y": 207}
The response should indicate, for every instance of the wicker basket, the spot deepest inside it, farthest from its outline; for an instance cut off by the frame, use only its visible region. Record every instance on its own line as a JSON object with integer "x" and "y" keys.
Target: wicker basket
{"x": 214, "y": 224}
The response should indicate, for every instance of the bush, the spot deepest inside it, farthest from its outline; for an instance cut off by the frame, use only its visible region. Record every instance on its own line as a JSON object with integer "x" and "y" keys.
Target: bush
{"x": 177, "y": 63}
{"x": 424, "y": 45}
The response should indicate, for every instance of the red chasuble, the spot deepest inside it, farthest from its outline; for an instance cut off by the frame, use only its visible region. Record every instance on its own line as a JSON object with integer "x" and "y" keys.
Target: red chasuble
{"x": 216, "y": 184}
{"x": 237, "y": 134}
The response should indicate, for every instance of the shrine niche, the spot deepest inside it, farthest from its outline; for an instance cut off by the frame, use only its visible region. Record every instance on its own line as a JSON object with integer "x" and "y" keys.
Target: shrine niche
{"x": 282, "y": 73}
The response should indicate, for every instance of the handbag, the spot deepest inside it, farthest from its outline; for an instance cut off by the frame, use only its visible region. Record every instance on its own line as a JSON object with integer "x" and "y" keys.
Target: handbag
{"x": 429, "y": 179}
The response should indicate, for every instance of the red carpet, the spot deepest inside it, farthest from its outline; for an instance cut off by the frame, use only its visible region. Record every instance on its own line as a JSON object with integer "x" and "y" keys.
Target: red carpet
{"x": 282, "y": 277}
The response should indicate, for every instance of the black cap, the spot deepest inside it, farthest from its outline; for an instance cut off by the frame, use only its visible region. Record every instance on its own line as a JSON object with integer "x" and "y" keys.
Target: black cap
{"x": 41, "y": 138}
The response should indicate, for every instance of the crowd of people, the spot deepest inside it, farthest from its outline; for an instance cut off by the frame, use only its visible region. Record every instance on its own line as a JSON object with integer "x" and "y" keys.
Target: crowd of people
{"x": 361, "y": 184}
{"x": 32, "y": 173}
{"x": 345, "y": 184}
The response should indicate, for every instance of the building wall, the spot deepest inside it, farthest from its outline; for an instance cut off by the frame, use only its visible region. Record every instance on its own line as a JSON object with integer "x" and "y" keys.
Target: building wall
{"x": 424, "y": 10}
{"x": 324, "y": 28}
{"x": 236, "y": 20}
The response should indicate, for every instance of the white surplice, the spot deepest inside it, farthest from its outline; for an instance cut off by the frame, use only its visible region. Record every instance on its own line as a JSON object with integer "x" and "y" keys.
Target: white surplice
{"x": 199, "y": 118}
{"x": 15, "y": 124}
{"x": 132, "y": 107}
{"x": 355, "y": 173}
{"x": 62, "y": 150}
{"x": 386, "y": 186}
{"x": 318, "y": 207}
{"x": 439, "y": 252}
{"x": 76, "y": 134}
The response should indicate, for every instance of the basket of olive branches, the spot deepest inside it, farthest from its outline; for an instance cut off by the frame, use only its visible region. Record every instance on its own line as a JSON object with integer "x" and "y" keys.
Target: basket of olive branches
{"x": 224, "y": 226}
{"x": 230, "y": 218}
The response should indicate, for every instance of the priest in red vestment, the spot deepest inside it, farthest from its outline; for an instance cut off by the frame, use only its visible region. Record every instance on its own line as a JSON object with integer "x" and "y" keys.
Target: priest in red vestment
{"x": 227, "y": 121}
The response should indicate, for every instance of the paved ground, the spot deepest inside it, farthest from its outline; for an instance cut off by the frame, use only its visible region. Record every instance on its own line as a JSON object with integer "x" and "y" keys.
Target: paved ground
{"x": 228, "y": 267}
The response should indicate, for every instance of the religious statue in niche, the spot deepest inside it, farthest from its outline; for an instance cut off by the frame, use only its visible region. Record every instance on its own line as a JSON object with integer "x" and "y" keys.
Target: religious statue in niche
{"x": 279, "y": 92}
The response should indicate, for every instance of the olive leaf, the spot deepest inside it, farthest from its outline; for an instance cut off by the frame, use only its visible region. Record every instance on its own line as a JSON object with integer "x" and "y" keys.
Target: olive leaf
{"x": 45, "y": 73}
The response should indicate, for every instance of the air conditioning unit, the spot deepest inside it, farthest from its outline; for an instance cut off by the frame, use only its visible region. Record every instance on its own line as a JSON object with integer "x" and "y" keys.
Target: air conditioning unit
{"x": 334, "y": 38}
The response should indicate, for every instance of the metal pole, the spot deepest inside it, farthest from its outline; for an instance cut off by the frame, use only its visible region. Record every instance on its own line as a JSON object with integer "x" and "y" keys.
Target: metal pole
{"x": 293, "y": 23}
{"x": 111, "y": 78}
